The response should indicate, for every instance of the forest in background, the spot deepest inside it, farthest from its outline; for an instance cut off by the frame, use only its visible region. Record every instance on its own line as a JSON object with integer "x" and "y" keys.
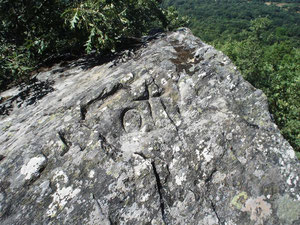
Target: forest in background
{"x": 263, "y": 41}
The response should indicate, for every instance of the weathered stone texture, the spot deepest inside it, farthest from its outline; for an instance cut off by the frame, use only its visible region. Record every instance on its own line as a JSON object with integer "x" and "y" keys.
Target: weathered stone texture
{"x": 172, "y": 136}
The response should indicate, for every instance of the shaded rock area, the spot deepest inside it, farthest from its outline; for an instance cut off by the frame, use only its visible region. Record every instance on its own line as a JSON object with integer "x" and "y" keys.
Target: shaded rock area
{"x": 173, "y": 135}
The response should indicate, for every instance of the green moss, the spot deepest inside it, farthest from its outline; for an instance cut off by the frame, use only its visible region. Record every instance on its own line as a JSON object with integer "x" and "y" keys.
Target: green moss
{"x": 298, "y": 155}
{"x": 239, "y": 200}
{"x": 63, "y": 147}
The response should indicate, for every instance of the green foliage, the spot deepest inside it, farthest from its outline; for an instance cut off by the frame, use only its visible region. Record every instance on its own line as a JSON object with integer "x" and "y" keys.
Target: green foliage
{"x": 225, "y": 19}
{"x": 30, "y": 31}
{"x": 106, "y": 22}
{"x": 174, "y": 19}
{"x": 265, "y": 49}
{"x": 33, "y": 32}
{"x": 278, "y": 78}
{"x": 275, "y": 69}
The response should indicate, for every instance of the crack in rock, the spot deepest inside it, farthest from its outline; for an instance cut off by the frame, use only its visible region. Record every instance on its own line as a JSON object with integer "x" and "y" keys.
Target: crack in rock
{"x": 159, "y": 189}
{"x": 141, "y": 154}
{"x": 106, "y": 220}
{"x": 213, "y": 206}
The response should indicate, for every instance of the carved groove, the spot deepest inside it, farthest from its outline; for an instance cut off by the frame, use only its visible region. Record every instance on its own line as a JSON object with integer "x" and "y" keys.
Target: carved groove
{"x": 169, "y": 117}
{"x": 103, "y": 95}
{"x": 145, "y": 95}
{"x": 122, "y": 116}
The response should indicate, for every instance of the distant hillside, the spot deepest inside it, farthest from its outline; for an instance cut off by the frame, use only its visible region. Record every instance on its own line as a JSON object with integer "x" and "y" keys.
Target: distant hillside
{"x": 263, "y": 40}
{"x": 290, "y": 6}
{"x": 215, "y": 20}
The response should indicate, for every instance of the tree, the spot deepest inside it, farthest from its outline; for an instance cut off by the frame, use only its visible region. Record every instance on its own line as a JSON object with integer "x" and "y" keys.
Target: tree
{"x": 33, "y": 32}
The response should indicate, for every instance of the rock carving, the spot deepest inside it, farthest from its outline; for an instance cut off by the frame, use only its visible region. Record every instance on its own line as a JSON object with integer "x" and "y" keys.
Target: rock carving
{"x": 172, "y": 135}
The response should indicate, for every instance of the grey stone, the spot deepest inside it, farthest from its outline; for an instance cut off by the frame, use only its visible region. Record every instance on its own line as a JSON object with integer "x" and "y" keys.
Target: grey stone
{"x": 173, "y": 135}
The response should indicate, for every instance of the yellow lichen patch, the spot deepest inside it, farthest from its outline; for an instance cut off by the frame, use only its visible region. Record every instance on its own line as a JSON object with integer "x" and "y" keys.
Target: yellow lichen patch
{"x": 7, "y": 126}
{"x": 53, "y": 116}
{"x": 239, "y": 200}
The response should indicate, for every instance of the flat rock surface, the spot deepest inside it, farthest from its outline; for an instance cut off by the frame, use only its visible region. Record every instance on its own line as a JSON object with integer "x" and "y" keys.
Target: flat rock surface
{"x": 173, "y": 135}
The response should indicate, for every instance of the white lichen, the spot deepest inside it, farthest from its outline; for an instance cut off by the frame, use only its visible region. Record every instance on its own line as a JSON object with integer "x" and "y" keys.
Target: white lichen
{"x": 207, "y": 155}
{"x": 33, "y": 167}
{"x": 180, "y": 179}
{"x": 62, "y": 195}
{"x": 91, "y": 174}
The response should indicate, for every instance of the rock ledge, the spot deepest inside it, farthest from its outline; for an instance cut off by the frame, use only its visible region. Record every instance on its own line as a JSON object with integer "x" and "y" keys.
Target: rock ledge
{"x": 172, "y": 136}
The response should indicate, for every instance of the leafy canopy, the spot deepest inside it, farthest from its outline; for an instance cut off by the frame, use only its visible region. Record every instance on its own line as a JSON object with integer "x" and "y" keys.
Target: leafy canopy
{"x": 35, "y": 32}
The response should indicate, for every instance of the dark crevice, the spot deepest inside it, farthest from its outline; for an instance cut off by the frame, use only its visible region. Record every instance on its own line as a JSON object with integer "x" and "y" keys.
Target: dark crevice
{"x": 2, "y": 157}
{"x": 255, "y": 126}
{"x": 208, "y": 181}
{"x": 159, "y": 189}
{"x": 159, "y": 93}
{"x": 83, "y": 111}
{"x": 111, "y": 221}
{"x": 178, "y": 110}
{"x": 42, "y": 168}
{"x": 66, "y": 145}
{"x": 169, "y": 173}
{"x": 45, "y": 153}
{"x": 84, "y": 108}
{"x": 197, "y": 196}
{"x": 209, "y": 178}
{"x": 150, "y": 110}
{"x": 104, "y": 94}
{"x": 213, "y": 206}
{"x": 102, "y": 139}
{"x": 141, "y": 154}
{"x": 85, "y": 125}
{"x": 81, "y": 147}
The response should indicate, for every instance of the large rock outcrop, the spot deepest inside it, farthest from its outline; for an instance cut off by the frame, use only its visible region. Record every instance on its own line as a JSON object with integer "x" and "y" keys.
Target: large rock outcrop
{"x": 174, "y": 135}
